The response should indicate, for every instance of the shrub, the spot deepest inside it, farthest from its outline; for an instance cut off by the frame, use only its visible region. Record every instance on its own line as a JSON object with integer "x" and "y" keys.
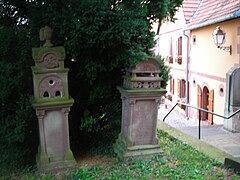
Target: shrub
{"x": 165, "y": 71}
{"x": 17, "y": 119}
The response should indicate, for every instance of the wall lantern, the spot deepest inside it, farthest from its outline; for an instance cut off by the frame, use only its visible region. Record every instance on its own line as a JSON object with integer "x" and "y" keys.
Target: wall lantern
{"x": 219, "y": 39}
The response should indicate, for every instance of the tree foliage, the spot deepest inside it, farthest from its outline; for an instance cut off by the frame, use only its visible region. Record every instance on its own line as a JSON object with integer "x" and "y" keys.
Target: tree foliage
{"x": 17, "y": 120}
{"x": 101, "y": 37}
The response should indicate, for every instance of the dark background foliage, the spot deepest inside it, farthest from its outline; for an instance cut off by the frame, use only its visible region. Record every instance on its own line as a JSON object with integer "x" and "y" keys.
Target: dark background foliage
{"x": 18, "y": 128}
{"x": 101, "y": 37}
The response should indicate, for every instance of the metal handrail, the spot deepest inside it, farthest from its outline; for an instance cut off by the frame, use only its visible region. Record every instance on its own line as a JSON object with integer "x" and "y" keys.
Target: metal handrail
{"x": 200, "y": 109}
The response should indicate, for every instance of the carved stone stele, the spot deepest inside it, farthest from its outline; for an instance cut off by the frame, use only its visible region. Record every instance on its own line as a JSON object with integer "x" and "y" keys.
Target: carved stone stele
{"x": 52, "y": 103}
{"x": 141, "y": 94}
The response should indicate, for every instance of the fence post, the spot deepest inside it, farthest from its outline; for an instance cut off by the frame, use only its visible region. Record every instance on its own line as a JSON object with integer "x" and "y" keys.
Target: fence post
{"x": 199, "y": 124}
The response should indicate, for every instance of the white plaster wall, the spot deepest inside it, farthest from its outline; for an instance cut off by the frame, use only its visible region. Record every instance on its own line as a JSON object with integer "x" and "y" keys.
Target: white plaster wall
{"x": 209, "y": 64}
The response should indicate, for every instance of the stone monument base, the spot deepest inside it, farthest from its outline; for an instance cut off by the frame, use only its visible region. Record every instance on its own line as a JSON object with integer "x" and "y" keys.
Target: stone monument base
{"x": 232, "y": 124}
{"x": 46, "y": 164}
{"x": 126, "y": 151}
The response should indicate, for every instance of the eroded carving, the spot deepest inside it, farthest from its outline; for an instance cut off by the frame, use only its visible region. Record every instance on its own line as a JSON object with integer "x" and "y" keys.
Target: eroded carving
{"x": 144, "y": 76}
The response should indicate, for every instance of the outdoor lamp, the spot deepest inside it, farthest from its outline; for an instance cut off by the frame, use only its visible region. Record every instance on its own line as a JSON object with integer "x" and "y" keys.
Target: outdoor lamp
{"x": 219, "y": 39}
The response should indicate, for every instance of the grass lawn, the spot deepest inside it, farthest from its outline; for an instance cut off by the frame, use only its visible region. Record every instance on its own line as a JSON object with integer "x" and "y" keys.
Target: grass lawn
{"x": 178, "y": 161}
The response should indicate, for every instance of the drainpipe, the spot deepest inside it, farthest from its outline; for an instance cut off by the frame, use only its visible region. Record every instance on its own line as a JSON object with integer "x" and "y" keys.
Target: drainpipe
{"x": 187, "y": 74}
{"x": 158, "y": 32}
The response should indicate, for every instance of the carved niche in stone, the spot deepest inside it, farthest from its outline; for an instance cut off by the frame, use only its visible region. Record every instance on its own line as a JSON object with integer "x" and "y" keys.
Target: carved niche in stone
{"x": 51, "y": 87}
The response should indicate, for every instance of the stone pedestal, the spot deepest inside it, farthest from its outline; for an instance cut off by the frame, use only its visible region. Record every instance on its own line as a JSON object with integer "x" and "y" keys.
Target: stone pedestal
{"x": 141, "y": 96}
{"x": 52, "y": 103}
{"x": 54, "y": 151}
{"x": 232, "y": 124}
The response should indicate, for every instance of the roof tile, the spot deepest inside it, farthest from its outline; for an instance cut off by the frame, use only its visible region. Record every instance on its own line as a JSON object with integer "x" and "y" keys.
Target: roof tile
{"x": 189, "y": 8}
{"x": 212, "y": 10}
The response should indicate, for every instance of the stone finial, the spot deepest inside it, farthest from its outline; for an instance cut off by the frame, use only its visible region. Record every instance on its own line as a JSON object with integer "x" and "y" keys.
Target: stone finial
{"x": 46, "y": 35}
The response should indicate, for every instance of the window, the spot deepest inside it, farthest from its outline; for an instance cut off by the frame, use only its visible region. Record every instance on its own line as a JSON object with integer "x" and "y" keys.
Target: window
{"x": 182, "y": 92}
{"x": 181, "y": 88}
{"x": 194, "y": 39}
{"x": 179, "y": 51}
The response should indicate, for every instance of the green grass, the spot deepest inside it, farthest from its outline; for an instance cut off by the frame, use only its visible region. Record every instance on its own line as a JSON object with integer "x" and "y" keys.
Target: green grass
{"x": 178, "y": 161}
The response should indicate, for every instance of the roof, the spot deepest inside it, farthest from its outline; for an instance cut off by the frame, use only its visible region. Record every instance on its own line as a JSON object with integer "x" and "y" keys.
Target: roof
{"x": 189, "y": 8}
{"x": 214, "y": 11}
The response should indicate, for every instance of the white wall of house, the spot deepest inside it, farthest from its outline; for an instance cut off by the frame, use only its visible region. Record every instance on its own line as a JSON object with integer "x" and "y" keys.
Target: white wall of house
{"x": 209, "y": 65}
{"x": 169, "y": 35}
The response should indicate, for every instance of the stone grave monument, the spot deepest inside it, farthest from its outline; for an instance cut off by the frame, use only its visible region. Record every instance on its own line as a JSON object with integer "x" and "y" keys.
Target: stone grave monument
{"x": 141, "y": 95}
{"x": 52, "y": 103}
{"x": 232, "y": 102}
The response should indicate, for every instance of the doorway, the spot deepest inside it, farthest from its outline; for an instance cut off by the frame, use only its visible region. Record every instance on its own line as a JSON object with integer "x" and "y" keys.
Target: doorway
{"x": 206, "y": 101}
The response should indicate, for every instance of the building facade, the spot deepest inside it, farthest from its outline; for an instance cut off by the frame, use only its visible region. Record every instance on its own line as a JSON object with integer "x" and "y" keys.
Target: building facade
{"x": 198, "y": 66}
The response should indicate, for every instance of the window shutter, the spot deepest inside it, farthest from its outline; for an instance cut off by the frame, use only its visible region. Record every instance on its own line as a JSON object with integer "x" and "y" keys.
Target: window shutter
{"x": 210, "y": 107}
{"x": 178, "y": 87}
{"x": 170, "y": 53}
{"x": 170, "y": 47}
{"x": 180, "y": 45}
{"x": 183, "y": 89}
{"x": 199, "y": 96}
{"x": 173, "y": 84}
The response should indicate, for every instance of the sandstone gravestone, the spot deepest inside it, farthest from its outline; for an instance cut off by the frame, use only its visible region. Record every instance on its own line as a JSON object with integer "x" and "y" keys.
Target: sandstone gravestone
{"x": 141, "y": 95}
{"x": 232, "y": 102}
{"x": 52, "y": 103}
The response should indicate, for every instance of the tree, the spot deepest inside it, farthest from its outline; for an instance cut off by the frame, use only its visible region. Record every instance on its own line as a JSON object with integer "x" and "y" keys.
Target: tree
{"x": 101, "y": 37}
{"x": 17, "y": 119}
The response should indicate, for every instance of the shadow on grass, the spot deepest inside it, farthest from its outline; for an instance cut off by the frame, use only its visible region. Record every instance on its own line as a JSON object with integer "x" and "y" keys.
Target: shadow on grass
{"x": 178, "y": 161}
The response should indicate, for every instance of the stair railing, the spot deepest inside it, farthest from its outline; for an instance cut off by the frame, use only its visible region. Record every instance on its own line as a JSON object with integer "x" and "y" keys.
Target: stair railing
{"x": 199, "y": 114}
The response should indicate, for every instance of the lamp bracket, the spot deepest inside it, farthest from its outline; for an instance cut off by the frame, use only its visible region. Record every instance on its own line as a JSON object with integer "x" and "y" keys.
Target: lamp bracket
{"x": 226, "y": 48}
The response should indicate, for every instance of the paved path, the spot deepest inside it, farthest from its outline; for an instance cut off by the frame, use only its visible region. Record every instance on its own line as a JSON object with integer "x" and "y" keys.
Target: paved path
{"x": 215, "y": 135}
